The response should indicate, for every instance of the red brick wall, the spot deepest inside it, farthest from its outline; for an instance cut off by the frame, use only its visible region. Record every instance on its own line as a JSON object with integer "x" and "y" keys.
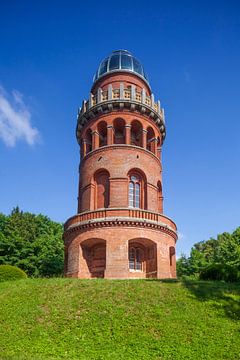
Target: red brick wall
{"x": 119, "y": 161}
{"x": 117, "y": 78}
{"x": 117, "y": 245}
{"x": 102, "y": 249}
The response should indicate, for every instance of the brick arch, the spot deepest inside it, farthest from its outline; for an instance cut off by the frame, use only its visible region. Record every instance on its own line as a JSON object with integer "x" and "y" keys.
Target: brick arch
{"x": 142, "y": 257}
{"x": 151, "y": 139}
{"x": 136, "y": 133}
{"x": 101, "y": 189}
{"x": 119, "y": 136}
{"x": 94, "y": 257}
{"x": 88, "y": 140}
{"x": 102, "y": 131}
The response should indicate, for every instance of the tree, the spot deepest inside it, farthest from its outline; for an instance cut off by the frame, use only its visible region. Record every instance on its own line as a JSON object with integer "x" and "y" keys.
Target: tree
{"x": 217, "y": 258}
{"x": 31, "y": 242}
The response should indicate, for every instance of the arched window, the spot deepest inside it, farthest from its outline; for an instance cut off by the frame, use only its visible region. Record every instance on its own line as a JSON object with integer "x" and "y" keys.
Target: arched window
{"x": 150, "y": 139}
{"x": 136, "y": 258}
{"x": 160, "y": 197}
{"x": 102, "y": 130}
{"x": 102, "y": 190}
{"x": 134, "y": 194}
{"x": 88, "y": 140}
{"x": 119, "y": 131}
{"x": 136, "y": 133}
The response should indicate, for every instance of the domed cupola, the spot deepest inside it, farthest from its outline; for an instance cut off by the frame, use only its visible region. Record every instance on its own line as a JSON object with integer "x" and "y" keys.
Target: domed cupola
{"x": 120, "y": 61}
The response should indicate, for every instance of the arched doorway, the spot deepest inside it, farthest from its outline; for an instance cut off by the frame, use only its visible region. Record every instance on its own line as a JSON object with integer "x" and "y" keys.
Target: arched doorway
{"x": 119, "y": 131}
{"x": 102, "y": 130}
{"x": 142, "y": 258}
{"x": 94, "y": 254}
{"x": 136, "y": 133}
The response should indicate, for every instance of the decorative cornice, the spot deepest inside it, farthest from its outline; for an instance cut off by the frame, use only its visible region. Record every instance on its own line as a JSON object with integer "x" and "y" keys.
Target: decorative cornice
{"x": 119, "y": 222}
{"x": 120, "y": 104}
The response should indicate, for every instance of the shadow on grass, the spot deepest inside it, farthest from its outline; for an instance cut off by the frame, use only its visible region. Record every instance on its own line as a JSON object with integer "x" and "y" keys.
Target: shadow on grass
{"x": 221, "y": 295}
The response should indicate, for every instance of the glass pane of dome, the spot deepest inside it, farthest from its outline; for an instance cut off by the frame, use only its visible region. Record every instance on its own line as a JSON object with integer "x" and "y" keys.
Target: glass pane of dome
{"x": 103, "y": 67}
{"x": 137, "y": 66}
{"x": 114, "y": 62}
{"x": 120, "y": 60}
{"x": 126, "y": 62}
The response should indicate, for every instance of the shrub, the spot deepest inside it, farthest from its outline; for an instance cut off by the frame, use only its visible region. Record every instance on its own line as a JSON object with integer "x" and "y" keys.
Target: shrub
{"x": 220, "y": 272}
{"x": 9, "y": 272}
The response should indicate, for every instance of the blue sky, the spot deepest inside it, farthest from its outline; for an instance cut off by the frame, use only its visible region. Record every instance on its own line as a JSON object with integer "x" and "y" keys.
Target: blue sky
{"x": 191, "y": 51}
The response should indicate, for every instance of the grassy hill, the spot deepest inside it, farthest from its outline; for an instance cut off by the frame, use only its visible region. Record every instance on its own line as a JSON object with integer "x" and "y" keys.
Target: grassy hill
{"x": 101, "y": 319}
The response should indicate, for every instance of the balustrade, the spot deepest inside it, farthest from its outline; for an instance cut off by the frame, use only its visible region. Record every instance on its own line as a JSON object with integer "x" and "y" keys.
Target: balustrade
{"x": 123, "y": 94}
{"x": 117, "y": 213}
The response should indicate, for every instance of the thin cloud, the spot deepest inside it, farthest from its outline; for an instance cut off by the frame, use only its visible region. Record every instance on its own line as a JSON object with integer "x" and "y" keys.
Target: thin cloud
{"x": 15, "y": 120}
{"x": 181, "y": 236}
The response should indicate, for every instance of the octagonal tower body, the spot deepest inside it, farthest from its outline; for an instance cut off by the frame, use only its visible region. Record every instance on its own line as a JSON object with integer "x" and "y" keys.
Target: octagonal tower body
{"x": 120, "y": 231}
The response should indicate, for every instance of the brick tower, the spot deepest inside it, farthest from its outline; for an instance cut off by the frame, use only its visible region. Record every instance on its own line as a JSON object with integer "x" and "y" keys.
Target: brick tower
{"x": 120, "y": 231}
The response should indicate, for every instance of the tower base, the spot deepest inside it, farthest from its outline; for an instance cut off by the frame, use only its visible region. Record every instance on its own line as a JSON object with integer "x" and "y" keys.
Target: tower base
{"x": 119, "y": 249}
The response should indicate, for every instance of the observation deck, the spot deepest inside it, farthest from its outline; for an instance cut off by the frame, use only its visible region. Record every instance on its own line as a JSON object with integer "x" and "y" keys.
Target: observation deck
{"x": 121, "y": 216}
{"x": 121, "y": 99}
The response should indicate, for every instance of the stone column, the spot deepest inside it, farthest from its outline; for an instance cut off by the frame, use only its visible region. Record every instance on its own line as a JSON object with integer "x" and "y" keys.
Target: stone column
{"x": 133, "y": 92}
{"x": 109, "y": 135}
{"x": 121, "y": 91}
{"x": 159, "y": 153}
{"x": 99, "y": 95}
{"x": 143, "y": 96}
{"x": 128, "y": 134}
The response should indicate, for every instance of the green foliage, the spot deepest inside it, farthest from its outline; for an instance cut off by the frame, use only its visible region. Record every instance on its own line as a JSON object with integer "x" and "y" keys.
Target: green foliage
{"x": 32, "y": 242}
{"x": 9, "y": 272}
{"x": 224, "y": 272}
{"x": 117, "y": 320}
{"x": 214, "y": 259}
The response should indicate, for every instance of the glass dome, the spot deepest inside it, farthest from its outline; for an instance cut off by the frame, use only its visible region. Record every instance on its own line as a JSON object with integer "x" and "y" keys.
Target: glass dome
{"x": 120, "y": 60}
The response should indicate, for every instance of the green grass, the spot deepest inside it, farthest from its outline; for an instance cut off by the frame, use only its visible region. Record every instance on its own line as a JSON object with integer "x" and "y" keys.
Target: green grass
{"x": 101, "y": 319}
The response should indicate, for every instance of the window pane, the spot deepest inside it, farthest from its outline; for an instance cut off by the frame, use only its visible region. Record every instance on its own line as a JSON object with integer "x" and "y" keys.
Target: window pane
{"x": 131, "y": 264}
{"x": 137, "y": 202}
{"x": 114, "y": 62}
{"x": 132, "y": 254}
{"x": 138, "y": 265}
{"x": 126, "y": 62}
{"x": 134, "y": 178}
{"x": 103, "y": 67}
{"x": 137, "y": 67}
{"x": 137, "y": 189}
